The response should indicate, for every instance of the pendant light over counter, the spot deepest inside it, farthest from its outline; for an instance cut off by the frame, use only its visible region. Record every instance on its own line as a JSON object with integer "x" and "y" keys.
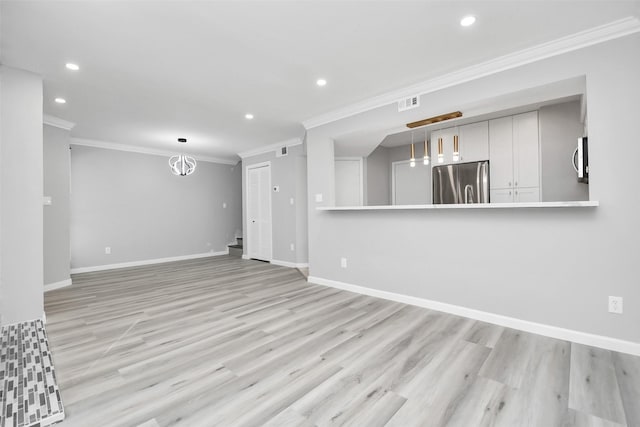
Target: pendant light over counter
{"x": 412, "y": 160}
{"x": 426, "y": 149}
{"x": 456, "y": 149}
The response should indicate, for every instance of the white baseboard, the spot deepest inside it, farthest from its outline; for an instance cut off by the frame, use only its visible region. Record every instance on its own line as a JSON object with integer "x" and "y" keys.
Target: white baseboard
{"x": 290, "y": 264}
{"x": 497, "y": 319}
{"x": 145, "y": 262}
{"x": 57, "y": 285}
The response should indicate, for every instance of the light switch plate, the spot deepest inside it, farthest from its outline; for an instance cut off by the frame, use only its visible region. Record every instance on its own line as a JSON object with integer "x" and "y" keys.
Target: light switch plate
{"x": 47, "y": 201}
{"x": 318, "y": 197}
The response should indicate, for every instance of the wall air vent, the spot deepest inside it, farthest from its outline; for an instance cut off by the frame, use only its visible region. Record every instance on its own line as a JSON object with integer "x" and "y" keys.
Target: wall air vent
{"x": 409, "y": 103}
{"x": 282, "y": 151}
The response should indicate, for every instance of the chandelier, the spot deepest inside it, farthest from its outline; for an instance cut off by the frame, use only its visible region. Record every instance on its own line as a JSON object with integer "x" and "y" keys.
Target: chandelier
{"x": 180, "y": 164}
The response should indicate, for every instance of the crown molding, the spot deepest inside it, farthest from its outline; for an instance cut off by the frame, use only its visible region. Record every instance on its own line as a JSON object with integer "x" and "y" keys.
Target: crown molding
{"x": 57, "y": 122}
{"x": 143, "y": 150}
{"x": 582, "y": 39}
{"x": 271, "y": 147}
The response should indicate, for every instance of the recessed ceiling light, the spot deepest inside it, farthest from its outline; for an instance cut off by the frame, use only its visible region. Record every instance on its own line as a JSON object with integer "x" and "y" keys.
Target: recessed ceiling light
{"x": 321, "y": 82}
{"x": 467, "y": 20}
{"x": 60, "y": 100}
{"x": 71, "y": 66}
{"x": 248, "y": 116}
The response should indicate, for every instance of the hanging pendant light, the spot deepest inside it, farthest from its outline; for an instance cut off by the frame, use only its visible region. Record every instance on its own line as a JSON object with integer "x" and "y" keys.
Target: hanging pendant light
{"x": 180, "y": 164}
{"x": 456, "y": 148}
{"x": 426, "y": 149}
{"x": 412, "y": 160}
{"x": 440, "y": 151}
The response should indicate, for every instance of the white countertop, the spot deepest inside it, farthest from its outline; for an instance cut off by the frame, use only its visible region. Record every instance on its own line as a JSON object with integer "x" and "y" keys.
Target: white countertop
{"x": 585, "y": 204}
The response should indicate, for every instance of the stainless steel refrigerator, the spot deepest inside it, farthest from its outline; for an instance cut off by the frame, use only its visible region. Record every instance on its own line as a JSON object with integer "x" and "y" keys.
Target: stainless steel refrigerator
{"x": 461, "y": 183}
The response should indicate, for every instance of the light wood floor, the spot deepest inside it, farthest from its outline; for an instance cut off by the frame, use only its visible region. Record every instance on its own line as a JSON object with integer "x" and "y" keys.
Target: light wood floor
{"x": 228, "y": 342}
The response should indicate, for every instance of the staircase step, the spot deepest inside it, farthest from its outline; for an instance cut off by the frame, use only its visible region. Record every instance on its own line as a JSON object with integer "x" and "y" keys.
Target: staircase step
{"x": 235, "y": 250}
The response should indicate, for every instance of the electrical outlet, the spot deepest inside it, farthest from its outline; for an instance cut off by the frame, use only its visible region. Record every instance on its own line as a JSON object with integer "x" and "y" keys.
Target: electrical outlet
{"x": 343, "y": 262}
{"x": 224, "y": 205}
{"x": 293, "y": 247}
{"x": 318, "y": 197}
{"x": 615, "y": 305}
{"x": 107, "y": 250}
{"x": 291, "y": 201}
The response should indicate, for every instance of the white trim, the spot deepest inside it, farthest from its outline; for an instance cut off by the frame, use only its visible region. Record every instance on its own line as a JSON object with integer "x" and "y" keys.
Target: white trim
{"x": 57, "y": 285}
{"x": 290, "y": 264}
{"x": 144, "y": 150}
{"x": 246, "y": 180}
{"x": 600, "y": 341}
{"x": 244, "y": 256}
{"x": 145, "y": 262}
{"x": 602, "y": 33}
{"x": 510, "y": 205}
{"x": 271, "y": 147}
{"x": 57, "y": 122}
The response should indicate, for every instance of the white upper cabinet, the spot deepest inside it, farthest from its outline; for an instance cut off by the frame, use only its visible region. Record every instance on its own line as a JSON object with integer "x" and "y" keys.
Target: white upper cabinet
{"x": 514, "y": 160}
{"x": 474, "y": 142}
{"x": 525, "y": 155}
{"x": 501, "y": 152}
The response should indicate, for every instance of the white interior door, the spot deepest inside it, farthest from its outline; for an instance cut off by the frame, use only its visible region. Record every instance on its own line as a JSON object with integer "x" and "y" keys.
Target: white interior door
{"x": 348, "y": 177}
{"x": 259, "y": 212}
{"x": 411, "y": 185}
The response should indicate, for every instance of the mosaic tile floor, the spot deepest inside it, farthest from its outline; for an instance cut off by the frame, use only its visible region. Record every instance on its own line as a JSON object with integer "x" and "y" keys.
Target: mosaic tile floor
{"x": 29, "y": 393}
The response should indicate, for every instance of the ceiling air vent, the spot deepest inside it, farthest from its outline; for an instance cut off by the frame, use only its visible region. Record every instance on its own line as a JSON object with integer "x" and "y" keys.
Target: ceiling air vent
{"x": 282, "y": 151}
{"x": 409, "y": 103}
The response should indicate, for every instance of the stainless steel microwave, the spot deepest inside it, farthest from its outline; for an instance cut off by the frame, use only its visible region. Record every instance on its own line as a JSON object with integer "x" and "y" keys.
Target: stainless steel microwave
{"x": 581, "y": 160}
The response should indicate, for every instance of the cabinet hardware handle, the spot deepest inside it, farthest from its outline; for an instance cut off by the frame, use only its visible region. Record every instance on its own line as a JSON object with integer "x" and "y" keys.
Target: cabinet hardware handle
{"x": 509, "y": 192}
{"x": 516, "y": 184}
{"x": 509, "y": 183}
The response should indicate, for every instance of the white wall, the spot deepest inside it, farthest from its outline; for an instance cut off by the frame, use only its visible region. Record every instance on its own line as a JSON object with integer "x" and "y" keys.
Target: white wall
{"x": 289, "y": 221}
{"x": 560, "y": 128}
{"x": 555, "y": 267}
{"x": 21, "y": 271}
{"x": 132, "y": 203}
{"x": 377, "y": 172}
{"x": 57, "y": 215}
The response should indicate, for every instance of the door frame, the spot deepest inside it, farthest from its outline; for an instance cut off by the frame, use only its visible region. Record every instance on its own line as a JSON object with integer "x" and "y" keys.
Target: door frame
{"x": 247, "y": 171}
{"x": 361, "y": 166}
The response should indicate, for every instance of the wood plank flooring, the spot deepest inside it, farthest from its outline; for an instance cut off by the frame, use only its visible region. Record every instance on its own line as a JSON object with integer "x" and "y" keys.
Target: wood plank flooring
{"x": 228, "y": 342}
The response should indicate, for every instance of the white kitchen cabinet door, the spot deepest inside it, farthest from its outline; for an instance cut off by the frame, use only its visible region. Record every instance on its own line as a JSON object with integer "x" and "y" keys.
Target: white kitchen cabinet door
{"x": 527, "y": 194}
{"x": 525, "y": 155}
{"x": 501, "y": 152}
{"x": 501, "y": 195}
{"x": 474, "y": 142}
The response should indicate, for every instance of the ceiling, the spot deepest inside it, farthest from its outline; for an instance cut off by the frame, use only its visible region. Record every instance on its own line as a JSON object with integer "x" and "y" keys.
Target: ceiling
{"x": 153, "y": 71}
